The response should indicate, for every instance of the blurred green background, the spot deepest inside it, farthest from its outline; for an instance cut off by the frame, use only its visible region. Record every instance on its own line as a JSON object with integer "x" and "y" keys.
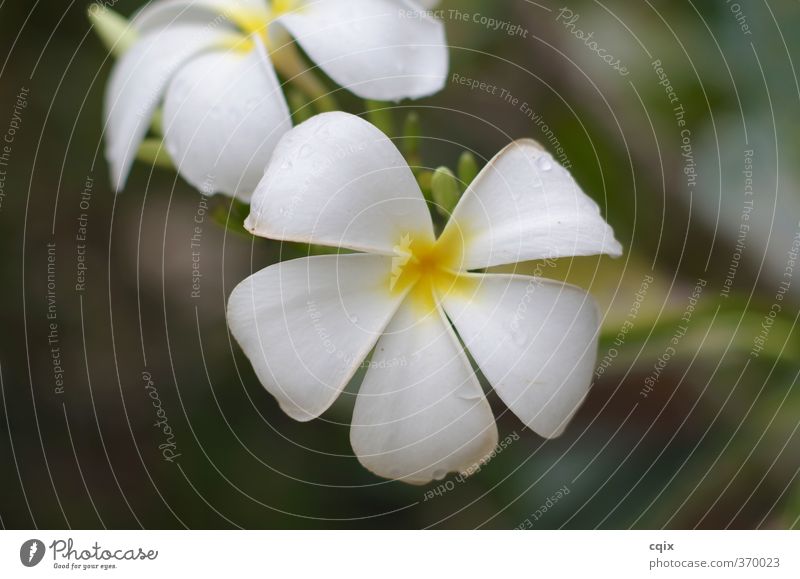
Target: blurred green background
{"x": 692, "y": 421}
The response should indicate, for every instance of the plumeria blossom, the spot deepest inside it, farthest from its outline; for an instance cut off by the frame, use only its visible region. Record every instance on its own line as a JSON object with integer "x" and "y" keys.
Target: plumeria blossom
{"x": 212, "y": 64}
{"x": 307, "y": 325}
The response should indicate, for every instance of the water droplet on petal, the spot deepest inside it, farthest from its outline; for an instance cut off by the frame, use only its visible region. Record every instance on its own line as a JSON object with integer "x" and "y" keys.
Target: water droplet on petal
{"x": 469, "y": 394}
{"x": 323, "y": 130}
{"x": 356, "y": 25}
{"x": 544, "y": 162}
{"x": 304, "y": 152}
{"x": 520, "y": 336}
{"x": 252, "y": 104}
{"x": 215, "y": 113}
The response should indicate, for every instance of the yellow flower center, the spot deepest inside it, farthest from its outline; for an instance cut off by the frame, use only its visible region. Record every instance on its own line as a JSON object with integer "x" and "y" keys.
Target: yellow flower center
{"x": 257, "y": 21}
{"x": 429, "y": 270}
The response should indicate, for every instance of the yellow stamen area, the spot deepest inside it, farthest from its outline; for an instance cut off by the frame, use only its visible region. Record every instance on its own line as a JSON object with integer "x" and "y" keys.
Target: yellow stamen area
{"x": 257, "y": 21}
{"x": 429, "y": 270}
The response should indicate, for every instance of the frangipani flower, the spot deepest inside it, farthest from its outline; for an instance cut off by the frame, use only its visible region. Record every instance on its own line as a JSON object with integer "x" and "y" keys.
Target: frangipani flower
{"x": 307, "y": 325}
{"x": 212, "y": 64}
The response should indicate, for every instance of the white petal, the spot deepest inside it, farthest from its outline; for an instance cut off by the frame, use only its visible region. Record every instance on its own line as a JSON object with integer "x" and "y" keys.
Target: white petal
{"x": 306, "y": 325}
{"x": 535, "y": 341}
{"x": 427, "y": 4}
{"x": 337, "y": 180}
{"x": 159, "y": 14}
{"x": 137, "y": 85}
{"x": 525, "y": 206}
{"x": 224, "y": 113}
{"x": 421, "y": 412}
{"x": 377, "y": 49}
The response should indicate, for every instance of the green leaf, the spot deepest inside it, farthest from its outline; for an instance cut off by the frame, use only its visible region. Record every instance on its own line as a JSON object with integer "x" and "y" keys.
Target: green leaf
{"x": 425, "y": 178}
{"x": 467, "y": 169}
{"x": 153, "y": 153}
{"x": 230, "y": 214}
{"x": 792, "y": 511}
{"x": 157, "y": 122}
{"x": 114, "y": 30}
{"x": 446, "y": 192}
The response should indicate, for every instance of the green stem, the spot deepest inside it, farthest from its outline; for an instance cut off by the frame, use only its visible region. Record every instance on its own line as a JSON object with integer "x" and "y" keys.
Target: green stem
{"x": 289, "y": 63}
{"x": 380, "y": 115}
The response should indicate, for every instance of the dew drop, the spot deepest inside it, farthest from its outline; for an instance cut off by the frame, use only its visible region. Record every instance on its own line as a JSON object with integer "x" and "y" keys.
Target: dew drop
{"x": 469, "y": 394}
{"x": 251, "y": 104}
{"x": 355, "y": 22}
{"x": 216, "y": 113}
{"x": 544, "y": 162}
{"x": 323, "y": 130}
{"x": 304, "y": 152}
{"x": 519, "y": 336}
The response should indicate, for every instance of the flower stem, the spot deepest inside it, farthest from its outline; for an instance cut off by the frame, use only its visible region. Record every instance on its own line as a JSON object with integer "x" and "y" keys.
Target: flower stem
{"x": 380, "y": 115}
{"x": 290, "y": 64}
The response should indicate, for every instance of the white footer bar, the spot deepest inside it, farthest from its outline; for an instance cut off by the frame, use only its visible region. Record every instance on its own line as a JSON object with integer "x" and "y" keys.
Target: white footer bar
{"x": 389, "y": 554}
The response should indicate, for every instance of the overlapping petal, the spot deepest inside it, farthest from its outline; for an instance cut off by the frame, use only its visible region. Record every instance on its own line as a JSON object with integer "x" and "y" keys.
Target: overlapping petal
{"x": 525, "y": 206}
{"x": 377, "y": 49}
{"x": 137, "y": 86}
{"x": 306, "y": 325}
{"x": 337, "y": 180}
{"x": 224, "y": 113}
{"x": 420, "y": 412}
{"x": 535, "y": 341}
{"x": 159, "y": 14}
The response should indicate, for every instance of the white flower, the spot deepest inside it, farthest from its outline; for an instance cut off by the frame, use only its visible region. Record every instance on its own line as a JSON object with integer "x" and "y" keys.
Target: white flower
{"x": 212, "y": 64}
{"x": 307, "y": 325}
